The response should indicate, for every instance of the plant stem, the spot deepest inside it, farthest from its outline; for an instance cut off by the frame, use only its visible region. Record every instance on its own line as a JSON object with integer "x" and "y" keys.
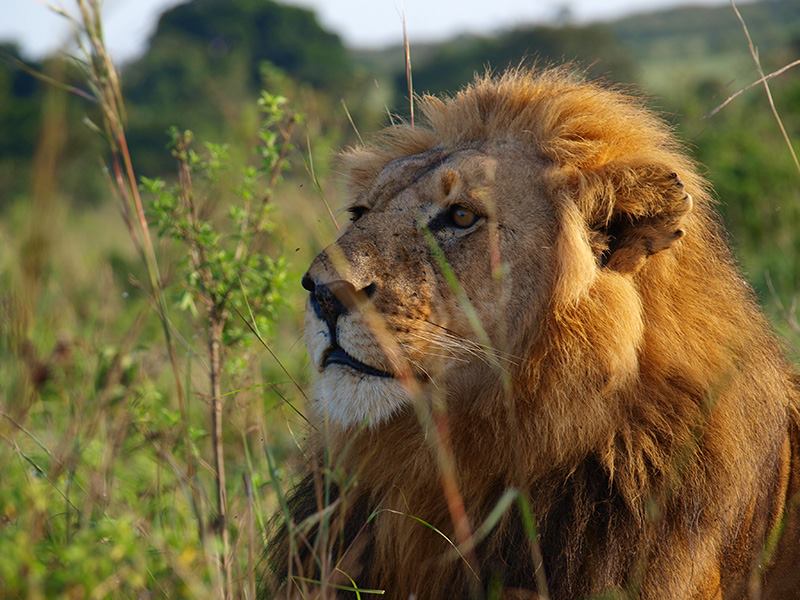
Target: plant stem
{"x": 216, "y": 326}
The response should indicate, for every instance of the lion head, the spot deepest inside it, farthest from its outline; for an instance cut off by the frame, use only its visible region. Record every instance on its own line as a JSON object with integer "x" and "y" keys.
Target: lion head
{"x": 470, "y": 236}
{"x": 540, "y": 262}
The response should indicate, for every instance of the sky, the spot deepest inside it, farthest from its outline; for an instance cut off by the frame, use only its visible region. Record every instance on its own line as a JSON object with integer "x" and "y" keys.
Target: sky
{"x": 361, "y": 23}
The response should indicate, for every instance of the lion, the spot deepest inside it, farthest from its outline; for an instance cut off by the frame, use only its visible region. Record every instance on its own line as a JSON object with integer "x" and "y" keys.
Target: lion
{"x": 540, "y": 373}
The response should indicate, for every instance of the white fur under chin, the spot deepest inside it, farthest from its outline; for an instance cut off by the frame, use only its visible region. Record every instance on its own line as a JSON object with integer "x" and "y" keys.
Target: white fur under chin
{"x": 350, "y": 399}
{"x": 345, "y": 396}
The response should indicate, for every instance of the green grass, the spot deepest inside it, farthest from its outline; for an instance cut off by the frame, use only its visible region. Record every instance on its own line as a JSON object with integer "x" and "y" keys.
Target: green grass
{"x": 95, "y": 494}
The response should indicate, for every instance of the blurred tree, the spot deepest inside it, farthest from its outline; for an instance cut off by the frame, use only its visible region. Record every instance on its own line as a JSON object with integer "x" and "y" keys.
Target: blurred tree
{"x": 23, "y": 124}
{"x": 204, "y": 65}
{"x": 287, "y": 36}
{"x": 687, "y": 32}
{"x": 20, "y": 114}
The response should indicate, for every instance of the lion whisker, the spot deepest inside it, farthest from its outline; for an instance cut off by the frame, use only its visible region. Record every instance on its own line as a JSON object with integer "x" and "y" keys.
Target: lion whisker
{"x": 458, "y": 345}
{"x": 499, "y": 353}
{"x": 493, "y": 354}
{"x": 416, "y": 364}
{"x": 426, "y": 352}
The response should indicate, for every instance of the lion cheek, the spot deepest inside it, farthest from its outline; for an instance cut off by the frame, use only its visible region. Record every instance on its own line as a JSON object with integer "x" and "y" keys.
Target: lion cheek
{"x": 576, "y": 265}
{"x": 603, "y": 331}
{"x": 620, "y": 326}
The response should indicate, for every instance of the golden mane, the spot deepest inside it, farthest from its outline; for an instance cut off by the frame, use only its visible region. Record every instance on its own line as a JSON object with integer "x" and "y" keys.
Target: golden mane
{"x": 652, "y": 421}
{"x": 568, "y": 120}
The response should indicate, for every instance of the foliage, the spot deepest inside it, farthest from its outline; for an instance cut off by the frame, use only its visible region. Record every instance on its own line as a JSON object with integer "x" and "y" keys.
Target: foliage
{"x": 225, "y": 267}
{"x": 225, "y": 271}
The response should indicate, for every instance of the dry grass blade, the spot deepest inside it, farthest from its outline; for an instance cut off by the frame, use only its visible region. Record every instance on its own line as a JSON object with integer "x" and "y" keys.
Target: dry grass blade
{"x": 26, "y": 432}
{"x": 493, "y": 518}
{"x": 263, "y": 342}
{"x": 436, "y": 422}
{"x": 352, "y": 123}
{"x": 469, "y": 310}
{"x": 456, "y": 547}
{"x": 754, "y": 54}
{"x": 343, "y": 588}
{"x": 317, "y": 186}
{"x": 51, "y": 81}
{"x": 105, "y": 83}
{"x": 529, "y": 523}
{"x": 449, "y": 477}
{"x": 409, "y": 80}
{"x": 758, "y": 81}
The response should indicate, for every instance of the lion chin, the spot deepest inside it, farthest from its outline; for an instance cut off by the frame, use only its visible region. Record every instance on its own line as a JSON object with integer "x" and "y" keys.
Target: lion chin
{"x": 350, "y": 399}
{"x": 343, "y": 394}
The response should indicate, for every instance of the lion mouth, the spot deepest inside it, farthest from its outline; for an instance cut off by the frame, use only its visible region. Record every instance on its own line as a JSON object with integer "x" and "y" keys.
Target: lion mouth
{"x": 335, "y": 355}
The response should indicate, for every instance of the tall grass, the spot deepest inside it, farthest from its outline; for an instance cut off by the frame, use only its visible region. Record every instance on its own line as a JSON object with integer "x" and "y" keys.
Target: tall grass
{"x": 114, "y": 484}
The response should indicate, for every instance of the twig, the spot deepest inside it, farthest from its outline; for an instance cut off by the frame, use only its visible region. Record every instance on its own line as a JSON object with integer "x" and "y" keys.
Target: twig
{"x": 257, "y": 333}
{"x": 217, "y": 318}
{"x": 26, "y": 432}
{"x": 216, "y": 327}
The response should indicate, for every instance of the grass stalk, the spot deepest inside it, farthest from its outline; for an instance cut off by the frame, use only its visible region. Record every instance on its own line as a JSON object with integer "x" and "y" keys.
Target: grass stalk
{"x": 105, "y": 84}
{"x": 216, "y": 325}
{"x": 409, "y": 78}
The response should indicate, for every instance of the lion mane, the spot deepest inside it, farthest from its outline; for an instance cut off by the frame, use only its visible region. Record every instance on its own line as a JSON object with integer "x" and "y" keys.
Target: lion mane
{"x": 651, "y": 434}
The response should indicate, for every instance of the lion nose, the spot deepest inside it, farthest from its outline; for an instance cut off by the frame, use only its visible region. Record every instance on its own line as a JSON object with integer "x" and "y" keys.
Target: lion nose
{"x": 307, "y": 283}
{"x": 332, "y": 299}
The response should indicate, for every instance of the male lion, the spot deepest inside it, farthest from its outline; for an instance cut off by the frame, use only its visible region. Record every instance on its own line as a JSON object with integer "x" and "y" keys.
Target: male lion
{"x": 535, "y": 295}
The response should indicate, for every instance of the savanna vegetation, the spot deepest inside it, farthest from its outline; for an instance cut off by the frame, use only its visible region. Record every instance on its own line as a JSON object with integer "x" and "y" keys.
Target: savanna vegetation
{"x": 155, "y": 223}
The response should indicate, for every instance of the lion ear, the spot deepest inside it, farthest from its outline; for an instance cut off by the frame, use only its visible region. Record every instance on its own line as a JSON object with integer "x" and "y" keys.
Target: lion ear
{"x": 647, "y": 218}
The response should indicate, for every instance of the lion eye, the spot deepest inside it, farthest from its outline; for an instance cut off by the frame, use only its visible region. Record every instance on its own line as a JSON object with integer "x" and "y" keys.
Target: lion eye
{"x": 356, "y": 212}
{"x": 462, "y": 217}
